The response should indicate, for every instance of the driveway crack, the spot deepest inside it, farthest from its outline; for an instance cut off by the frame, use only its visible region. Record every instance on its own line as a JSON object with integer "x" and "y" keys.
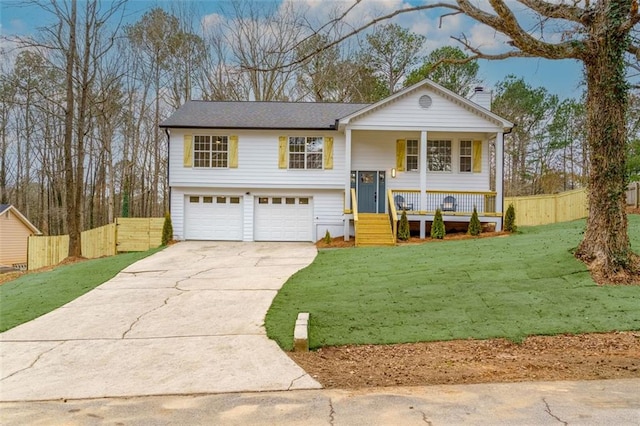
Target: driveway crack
{"x": 425, "y": 418}
{"x": 548, "y": 410}
{"x": 35, "y": 361}
{"x": 332, "y": 413}
{"x": 164, "y": 303}
{"x": 295, "y": 380}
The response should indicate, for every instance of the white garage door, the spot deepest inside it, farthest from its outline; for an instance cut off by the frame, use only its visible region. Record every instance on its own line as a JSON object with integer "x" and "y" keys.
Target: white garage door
{"x": 213, "y": 218}
{"x": 283, "y": 219}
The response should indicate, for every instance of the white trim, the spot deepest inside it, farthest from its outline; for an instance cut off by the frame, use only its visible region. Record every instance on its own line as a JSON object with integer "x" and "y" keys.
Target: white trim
{"x": 429, "y": 129}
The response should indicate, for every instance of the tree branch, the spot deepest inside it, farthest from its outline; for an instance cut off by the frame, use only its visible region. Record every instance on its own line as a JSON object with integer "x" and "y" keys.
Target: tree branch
{"x": 506, "y": 23}
{"x": 556, "y": 11}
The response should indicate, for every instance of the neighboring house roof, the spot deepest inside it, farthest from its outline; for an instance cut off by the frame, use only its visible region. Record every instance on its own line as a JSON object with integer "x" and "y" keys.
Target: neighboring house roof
{"x": 260, "y": 115}
{"x": 4, "y": 208}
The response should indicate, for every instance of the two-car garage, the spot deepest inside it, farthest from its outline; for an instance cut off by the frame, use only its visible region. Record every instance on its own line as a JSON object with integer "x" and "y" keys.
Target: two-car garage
{"x": 221, "y": 217}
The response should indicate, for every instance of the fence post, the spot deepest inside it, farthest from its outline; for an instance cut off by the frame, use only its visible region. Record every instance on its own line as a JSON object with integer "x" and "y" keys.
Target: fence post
{"x": 637, "y": 184}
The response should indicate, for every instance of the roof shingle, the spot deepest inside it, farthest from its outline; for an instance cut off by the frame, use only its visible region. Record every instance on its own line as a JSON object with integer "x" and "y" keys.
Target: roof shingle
{"x": 260, "y": 115}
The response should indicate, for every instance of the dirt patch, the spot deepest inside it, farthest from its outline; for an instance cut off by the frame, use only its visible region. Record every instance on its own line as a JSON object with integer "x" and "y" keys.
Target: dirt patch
{"x": 540, "y": 358}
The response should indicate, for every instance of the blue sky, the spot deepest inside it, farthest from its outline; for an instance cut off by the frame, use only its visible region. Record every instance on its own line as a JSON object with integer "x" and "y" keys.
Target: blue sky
{"x": 560, "y": 77}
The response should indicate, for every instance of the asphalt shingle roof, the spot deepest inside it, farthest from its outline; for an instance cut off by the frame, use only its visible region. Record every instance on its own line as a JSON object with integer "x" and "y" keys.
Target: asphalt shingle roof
{"x": 260, "y": 115}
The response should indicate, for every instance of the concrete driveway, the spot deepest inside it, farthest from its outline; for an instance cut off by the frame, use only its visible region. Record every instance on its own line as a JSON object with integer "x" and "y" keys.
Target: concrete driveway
{"x": 186, "y": 320}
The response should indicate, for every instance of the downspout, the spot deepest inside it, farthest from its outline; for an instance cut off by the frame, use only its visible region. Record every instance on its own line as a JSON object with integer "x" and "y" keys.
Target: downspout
{"x": 168, "y": 133}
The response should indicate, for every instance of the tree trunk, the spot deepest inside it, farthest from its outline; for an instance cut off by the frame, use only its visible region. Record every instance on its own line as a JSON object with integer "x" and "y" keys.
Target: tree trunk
{"x": 69, "y": 115}
{"x": 606, "y": 244}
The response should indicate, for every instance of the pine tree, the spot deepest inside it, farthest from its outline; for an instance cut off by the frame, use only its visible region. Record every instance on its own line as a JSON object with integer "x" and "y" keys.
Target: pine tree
{"x": 404, "y": 233}
{"x": 167, "y": 230}
{"x": 510, "y": 219}
{"x": 475, "y": 228}
{"x": 437, "y": 227}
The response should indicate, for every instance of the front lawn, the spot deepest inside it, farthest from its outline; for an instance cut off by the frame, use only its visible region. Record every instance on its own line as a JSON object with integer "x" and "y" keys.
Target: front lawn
{"x": 37, "y": 293}
{"x": 515, "y": 286}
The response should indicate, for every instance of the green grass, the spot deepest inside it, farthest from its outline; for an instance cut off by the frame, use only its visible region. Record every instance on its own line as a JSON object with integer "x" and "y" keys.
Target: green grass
{"x": 525, "y": 284}
{"x": 35, "y": 294}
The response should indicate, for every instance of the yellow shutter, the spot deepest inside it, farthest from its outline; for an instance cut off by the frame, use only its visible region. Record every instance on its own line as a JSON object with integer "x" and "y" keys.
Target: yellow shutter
{"x": 328, "y": 152}
{"x": 233, "y": 152}
{"x": 282, "y": 152}
{"x": 401, "y": 149}
{"x": 188, "y": 151}
{"x": 477, "y": 156}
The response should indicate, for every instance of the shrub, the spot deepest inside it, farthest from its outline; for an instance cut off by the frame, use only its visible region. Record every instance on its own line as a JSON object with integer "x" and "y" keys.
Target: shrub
{"x": 403, "y": 230}
{"x": 327, "y": 237}
{"x": 475, "y": 228}
{"x": 167, "y": 230}
{"x": 437, "y": 227}
{"x": 510, "y": 219}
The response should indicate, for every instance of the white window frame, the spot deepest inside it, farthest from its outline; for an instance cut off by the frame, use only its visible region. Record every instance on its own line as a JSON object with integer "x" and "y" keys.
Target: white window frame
{"x": 414, "y": 154}
{"x": 467, "y": 154}
{"x": 307, "y": 158}
{"x": 439, "y": 152}
{"x": 205, "y": 154}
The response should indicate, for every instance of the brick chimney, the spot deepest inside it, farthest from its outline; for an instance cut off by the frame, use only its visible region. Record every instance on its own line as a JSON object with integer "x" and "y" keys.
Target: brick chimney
{"x": 482, "y": 97}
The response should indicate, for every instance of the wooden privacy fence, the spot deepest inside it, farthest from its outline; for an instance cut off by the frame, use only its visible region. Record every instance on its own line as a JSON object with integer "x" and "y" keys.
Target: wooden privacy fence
{"x": 138, "y": 234}
{"x": 127, "y": 234}
{"x": 99, "y": 242}
{"x": 633, "y": 194}
{"x": 46, "y": 251}
{"x": 545, "y": 209}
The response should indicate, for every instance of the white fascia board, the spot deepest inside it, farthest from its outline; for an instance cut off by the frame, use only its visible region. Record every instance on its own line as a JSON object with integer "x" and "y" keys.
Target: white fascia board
{"x": 244, "y": 186}
{"x": 430, "y": 129}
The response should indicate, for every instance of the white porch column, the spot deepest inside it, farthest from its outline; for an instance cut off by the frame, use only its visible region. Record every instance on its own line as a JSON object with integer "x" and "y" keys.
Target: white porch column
{"x": 347, "y": 180}
{"x": 422, "y": 166}
{"x": 500, "y": 177}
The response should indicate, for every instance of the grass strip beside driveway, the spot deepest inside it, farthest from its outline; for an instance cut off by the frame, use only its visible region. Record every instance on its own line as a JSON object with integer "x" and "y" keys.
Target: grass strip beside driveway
{"x": 516, "y": 286}
{"x": 38, "y": 293}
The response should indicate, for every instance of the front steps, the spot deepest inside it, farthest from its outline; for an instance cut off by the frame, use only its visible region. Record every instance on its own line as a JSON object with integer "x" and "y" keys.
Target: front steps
{"x": 374, "y": 229}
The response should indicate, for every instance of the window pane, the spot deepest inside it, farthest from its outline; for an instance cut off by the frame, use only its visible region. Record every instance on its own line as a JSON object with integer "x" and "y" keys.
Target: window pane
{"x": 296, "y": 161}
{"x": 207, "y": 200}
{"x": 263, "y": 200}
{"x": 194, "y": 199}
{"x": 439, "y": 155}
{"x": 314, "y": 161}
{"x": 303, "y": 201}
{"x": 221, "y": 200}
{"x": 290, "y": 200}
{"x": 276, "y": 200}
{"x": 234, "y": 200}
{"x": 465, "y": 156}
{"x": 296, "y": 144}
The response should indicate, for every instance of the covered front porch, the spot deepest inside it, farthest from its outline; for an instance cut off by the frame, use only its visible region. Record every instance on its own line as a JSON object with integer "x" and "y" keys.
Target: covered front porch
{"x": 456, "y": 208}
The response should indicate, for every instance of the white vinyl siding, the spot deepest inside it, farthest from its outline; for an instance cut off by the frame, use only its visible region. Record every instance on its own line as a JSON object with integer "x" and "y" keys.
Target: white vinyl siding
{"x": 257, "y": 166}
{"x": 443, "y": 114}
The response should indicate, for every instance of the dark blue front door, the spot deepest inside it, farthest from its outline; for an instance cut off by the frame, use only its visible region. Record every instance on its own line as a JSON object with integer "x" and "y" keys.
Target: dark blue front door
{"x": 371, "y": 191}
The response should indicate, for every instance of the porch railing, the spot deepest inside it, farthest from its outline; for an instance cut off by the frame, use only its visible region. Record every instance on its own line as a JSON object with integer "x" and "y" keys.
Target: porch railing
{"x": 393, "y": 215}
{"x": 354, "y": 208}
{"x": 451, "y": 203}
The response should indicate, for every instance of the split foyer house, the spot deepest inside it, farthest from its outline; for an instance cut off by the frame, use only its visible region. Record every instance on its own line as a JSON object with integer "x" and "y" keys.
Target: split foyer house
{"x": 278, "y": 171}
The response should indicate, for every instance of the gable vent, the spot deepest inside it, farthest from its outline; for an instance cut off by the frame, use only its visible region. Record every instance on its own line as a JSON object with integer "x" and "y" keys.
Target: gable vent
{"x": 425, "y": 101}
